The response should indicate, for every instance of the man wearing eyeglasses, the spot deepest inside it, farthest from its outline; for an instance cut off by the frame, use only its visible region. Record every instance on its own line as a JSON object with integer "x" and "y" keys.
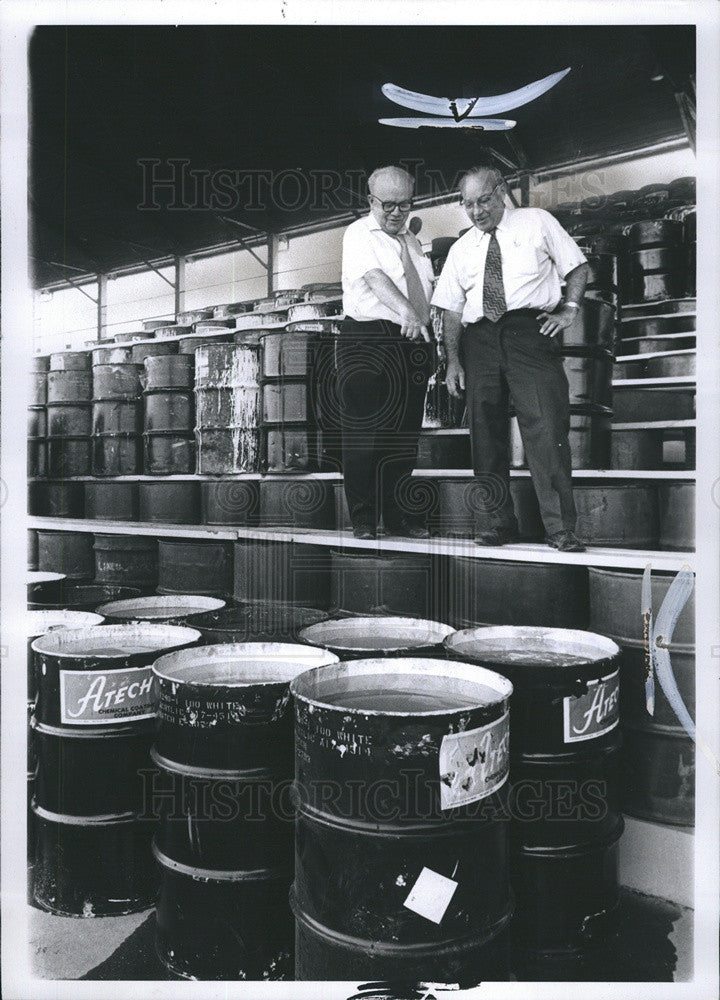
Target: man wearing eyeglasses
{"x": 384, "y": 358}
{"x": 500, "y": 290}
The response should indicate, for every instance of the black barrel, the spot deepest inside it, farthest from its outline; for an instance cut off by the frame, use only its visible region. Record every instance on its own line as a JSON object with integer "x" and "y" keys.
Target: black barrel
{"x": 655, "y": 233}
{"x": 564, "y": 722}
{"x": 116, "y": 455}
{"x": 293, "y": 448}
{"x": 32, "y": 551}
{"x": 616, "y": 604}
{"x": 262, "y": 621}
{"x": 69, "y": 387}
{"x": 111, "y": 501}
{"x": 168, "y": 454}
{"x": 169, "y": 410}
{"x": 171, "y": 610}
{"x": 94, "y": 723}
{"x": 357, "y": 637}
{"x": 636, "y": 449}
{"x": 501, "y": 592}
{"x": 39, "y": 388}
{"x": 57, "y": 499}
{"x": 188, "y": 345}
{"x": 618, "y": 515}
{"x": 116, "y": 416}
{"x": 589, "y": 438}
{"x": 75, "y": 596}
{"x": 37, "y": 458}
{"x": 170, "y": 502}
{"x": 416, "y": 753}
{"x": 304, "y": 503}
{"x": 116, "y": 381}
{"x": 195, "y": 567}
{"x": 672, "y": 366}
{"x": 594, "y": 325}
{"x": 67, "y": 552}
{"x": 151, "y": 349}
{"x": 464, "y": 506}
{"x": 677, "y": 515}
{"x": 112, "y": 356}
{"x": 37, "y": 421}
{"x": 224, "y": 730}
{"x": 658, "y": 326}
{"x": 68, "y": 456}
{"x": 397, "y": 584}
{"x": 230, "y": 502}
{"x": 68, "y": 419}
{"x": 41, "y": 622}
{"x": 126, "y": 560}
{"x": 285, "y": 572}
{"x": 228, "y": 408}
{"x": 589, "y": 374}
{"x": 641, "y": 404}
{"x": 168, "y": 370}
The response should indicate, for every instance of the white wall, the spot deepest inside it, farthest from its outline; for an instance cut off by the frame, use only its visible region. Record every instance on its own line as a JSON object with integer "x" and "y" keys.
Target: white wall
{"x": 67, "y": 318}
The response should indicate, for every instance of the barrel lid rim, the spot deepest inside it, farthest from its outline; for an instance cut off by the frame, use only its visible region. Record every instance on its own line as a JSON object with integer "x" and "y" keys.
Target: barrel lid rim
{"x": 440, "y": 629}
{"x": 608, "y": 647}
{"x": 159, "y": 601}
{"x": 146, "y": 629}
{"x": 290, "y": 653}
{"x": 371, "y": 666}
{"x": 80, "y": 617}
{"x": 34, "y": 576}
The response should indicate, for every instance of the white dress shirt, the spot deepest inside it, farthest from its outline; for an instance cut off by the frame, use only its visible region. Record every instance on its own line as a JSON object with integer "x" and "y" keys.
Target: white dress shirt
{"x": 536, "y": 253}
{"x": 366, "y": 248}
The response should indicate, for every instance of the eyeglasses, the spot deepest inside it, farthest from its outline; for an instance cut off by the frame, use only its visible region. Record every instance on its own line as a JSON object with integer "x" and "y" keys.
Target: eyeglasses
{"x": 390, "y": 206}
{"x": 481, "y": 202}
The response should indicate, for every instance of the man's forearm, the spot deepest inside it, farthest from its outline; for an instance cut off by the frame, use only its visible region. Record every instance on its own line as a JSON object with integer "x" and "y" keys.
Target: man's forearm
{"x": 386, "y": 291}
{"x": 452, "y": 328}
{"x": 575, "y": 282}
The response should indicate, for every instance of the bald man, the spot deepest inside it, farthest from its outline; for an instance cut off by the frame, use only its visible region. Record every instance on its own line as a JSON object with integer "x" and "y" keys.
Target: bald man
{"x": 384, "y": 358}
{"x": 503, "y": 310}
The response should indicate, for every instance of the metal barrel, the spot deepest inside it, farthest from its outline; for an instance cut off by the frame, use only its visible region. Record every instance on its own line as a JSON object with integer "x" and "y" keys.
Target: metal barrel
{"x": 593, "y": 326}
{"x": 93, "y": 728}
{"x": 67, "y": 552}
{"x": 68, "y": 419}
{"x": 677, "y": 515}
{"x": 111, "y": 501}
{"x": 39, "y": 388}
{"x": 70, "y": 361}
{"x": 617, "y": 515}
{"x": 170, "y": 502}
{"x": 464, "y": 506}
{"x": 116, "y": 416}
{"x": 501, "y": 592}
{"x": 32, "y": 549}
{"x": 262, "y": 621}
{"x": 302, "y": 503}
{"x": 57, "y": 499}
{"x": 293, "y": 448}
{"x": 169, "y": 371}
{"x": 152, "y": 349}
{"x": 230, "y": 502}
{"x": 116, "y": 381}
{"x": 640, "y": 404}
{"x": 399, "y": 584}
{"x": 169, "y": 410}
{"x": 37, "y": 421}
{"x": 195, "y": 567}
{"x": 285, "y": 572}
{"x": 655, "y": 233}
{"x": 116, "y": 454}
{"x": 224, "y": 730}
{"x": 41, "y": 622}
{"x": 616, "y": 604}
{"x": 658, "y": 326}
{"x": 172, "y": 609}
{"x": 37, "y": 458}
{"x": 228, "y": 407}
{"x": 672, "y": 367}
{"x": 415, "y": 800}
{"x": 188, "y": 345}
{"x": 564, "y": 721}
{"x": 636, "y": 449}
{"x": 168, "y": 454}
{"x": 124, "y": 559}
{"x": 74, "y": 596}
{"x": 589, "y": 438}
{"x": 68, "y": 456}
{"x": 589, "y": 374}
{"x": 112, "y": 356}
{"x": 360, "y": 637}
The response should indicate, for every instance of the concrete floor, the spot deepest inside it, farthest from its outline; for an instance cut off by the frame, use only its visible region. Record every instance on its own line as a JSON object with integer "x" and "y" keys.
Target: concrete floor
{"x": 652, "y": 943}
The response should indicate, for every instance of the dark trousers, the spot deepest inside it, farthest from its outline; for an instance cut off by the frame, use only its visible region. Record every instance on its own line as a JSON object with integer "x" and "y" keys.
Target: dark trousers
{"x": 512, "y": 360}
{"x": 381, "y": 383}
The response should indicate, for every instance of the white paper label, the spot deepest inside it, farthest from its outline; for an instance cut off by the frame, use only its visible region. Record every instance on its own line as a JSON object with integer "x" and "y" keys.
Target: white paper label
{"x": 592, "y": 714}
{"x": 474, "y": 763}
{"x": 431, "y": 895}
{"x": 91, "y": 697}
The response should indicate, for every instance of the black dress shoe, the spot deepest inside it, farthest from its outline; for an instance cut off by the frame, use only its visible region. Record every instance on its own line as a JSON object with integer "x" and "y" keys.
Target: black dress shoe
{"x": 407, "y": 530}
{"x": 496, "y": 536}
{"x": 565, "y": 541}
{"x": 364, "y": 531}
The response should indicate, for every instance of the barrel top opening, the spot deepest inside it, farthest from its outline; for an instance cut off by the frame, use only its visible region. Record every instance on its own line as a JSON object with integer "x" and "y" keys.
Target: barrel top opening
{"x": 531, "y": 646}
{"x": 161, "y": 607}
{"x": 42, "y": 576}
{"x": 241, "y": 664}
{"x": 402, "y": 686}
{"x": 376, "y": 633}
{"x": 114, "y": 641}
{"x": 39, "y": 622}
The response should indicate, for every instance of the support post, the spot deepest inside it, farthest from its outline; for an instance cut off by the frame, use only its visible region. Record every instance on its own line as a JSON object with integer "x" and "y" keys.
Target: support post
{"x": 524, "y": 190}
{"x": 101, "y": 305}
{"x": 272, "y": 249}
{"x": 179, "y": 285}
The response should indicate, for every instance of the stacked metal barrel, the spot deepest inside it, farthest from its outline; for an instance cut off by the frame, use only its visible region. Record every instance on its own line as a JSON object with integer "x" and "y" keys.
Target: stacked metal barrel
{"x": 227, "y": 388}
{"x": 169, "y": 414}
{"x": 69, "y": 391}
{"x": 116, "y": 414}
{"x": 37, "y": 418}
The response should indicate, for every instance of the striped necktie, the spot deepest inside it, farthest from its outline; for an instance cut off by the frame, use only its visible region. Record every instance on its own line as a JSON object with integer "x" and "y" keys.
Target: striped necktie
{"x": 494, "y": 304}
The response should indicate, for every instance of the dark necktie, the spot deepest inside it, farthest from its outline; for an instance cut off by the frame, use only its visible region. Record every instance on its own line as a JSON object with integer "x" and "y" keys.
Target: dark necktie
{"x": 416, "y": 293}
{"x": 494, "y": 304}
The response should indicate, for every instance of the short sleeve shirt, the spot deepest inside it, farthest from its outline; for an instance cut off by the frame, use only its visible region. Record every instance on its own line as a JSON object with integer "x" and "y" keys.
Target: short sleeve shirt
{"x": 536, "y": 254}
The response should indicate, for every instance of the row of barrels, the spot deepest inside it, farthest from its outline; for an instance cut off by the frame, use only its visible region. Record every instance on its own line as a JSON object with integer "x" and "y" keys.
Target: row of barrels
{"x": 647, "y": 515}
{"x": 223, "y": 724}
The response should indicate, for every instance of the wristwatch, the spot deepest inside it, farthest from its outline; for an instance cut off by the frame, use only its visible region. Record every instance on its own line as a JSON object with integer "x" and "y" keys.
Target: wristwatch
{"x": 573, "y": 305}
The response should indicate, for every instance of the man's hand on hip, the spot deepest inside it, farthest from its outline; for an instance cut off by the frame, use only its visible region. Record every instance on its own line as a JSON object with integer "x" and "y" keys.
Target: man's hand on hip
{"x": 455, "y": 378}
{"x": 552, "y": 323}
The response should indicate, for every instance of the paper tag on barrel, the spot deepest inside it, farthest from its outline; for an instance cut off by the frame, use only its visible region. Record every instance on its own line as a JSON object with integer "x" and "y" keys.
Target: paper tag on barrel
{"x": 474, "y": 764}
{"x": 89, "y": 697}
{"x": 594, "y": 713}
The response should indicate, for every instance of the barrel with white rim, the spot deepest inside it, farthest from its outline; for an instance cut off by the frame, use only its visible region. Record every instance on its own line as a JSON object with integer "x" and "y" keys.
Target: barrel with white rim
{"x": 255, "y": 621}
{"x": 360, "y": 637}
{"x": 160, "y": 609}
{"x": 564, "y": 792}
{"x": 400, "y": 766}
{"x": 93, "y": 727}
{"x": 224, "y": 843}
